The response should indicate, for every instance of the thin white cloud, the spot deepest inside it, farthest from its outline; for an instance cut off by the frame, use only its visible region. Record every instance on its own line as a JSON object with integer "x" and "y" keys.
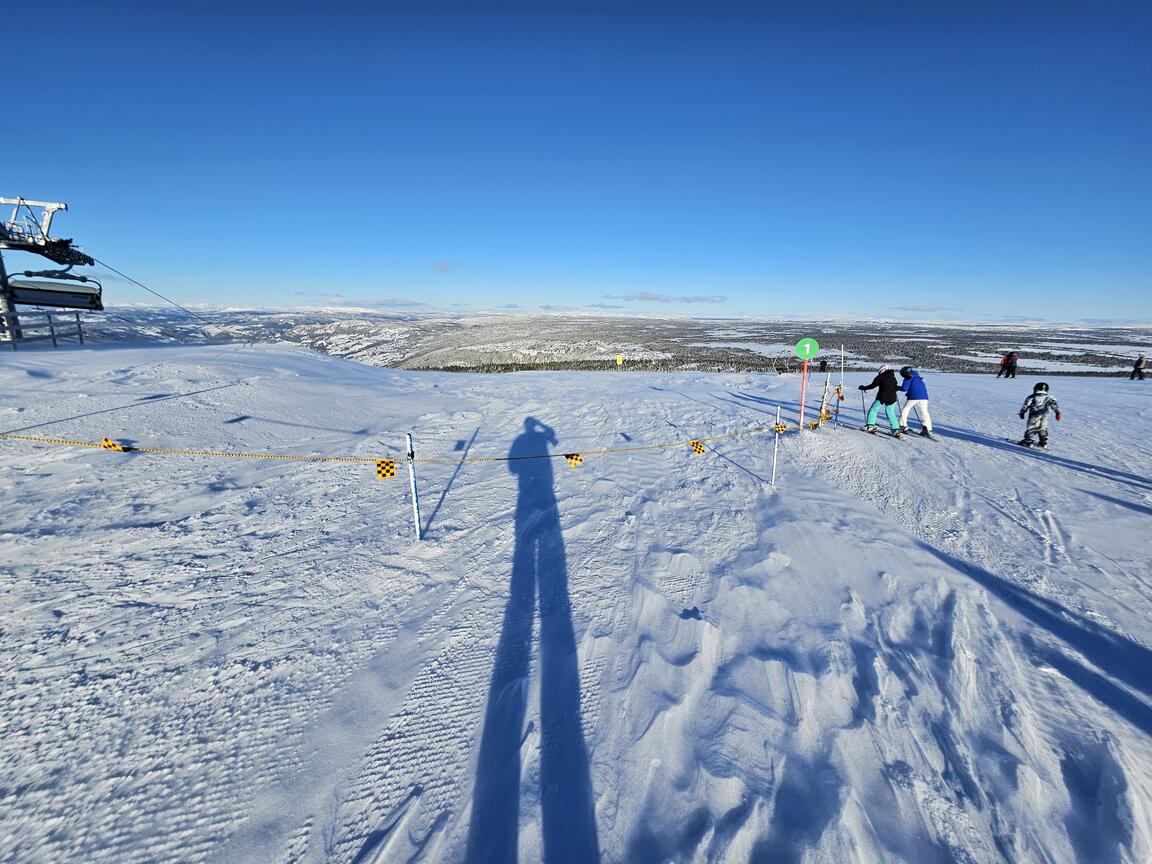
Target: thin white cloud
{"x": 925, "y": 307}
{"x": 650, "y": 297}
{"x": 391, "y": 302}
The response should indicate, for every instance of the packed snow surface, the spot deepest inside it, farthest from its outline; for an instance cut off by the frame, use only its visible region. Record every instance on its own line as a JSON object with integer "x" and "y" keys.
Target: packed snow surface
{"x": 908, "y": 650}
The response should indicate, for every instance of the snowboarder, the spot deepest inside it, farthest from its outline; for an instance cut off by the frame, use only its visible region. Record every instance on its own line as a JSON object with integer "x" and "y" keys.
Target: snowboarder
{"x": 885, "y": 385}
{"x": 1138, "y": 368}
{"x": 917, "y": 392}
{"x": 1036, "y": 407}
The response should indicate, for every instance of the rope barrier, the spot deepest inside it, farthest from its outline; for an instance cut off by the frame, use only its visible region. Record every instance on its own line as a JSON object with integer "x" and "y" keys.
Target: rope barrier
{"x": 697, "y": 445}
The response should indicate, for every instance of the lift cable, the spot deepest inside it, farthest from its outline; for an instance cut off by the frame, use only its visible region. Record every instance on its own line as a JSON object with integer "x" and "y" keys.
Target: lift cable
{"x": 158, "y": 294}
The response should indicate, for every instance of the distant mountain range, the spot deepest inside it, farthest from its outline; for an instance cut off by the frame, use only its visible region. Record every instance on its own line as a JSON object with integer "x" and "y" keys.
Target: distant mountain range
{"x": 507, "y": 342}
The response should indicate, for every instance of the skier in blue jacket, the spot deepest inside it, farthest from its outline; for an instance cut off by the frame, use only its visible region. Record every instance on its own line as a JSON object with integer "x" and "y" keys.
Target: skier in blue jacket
{"x": 913, "y": 385}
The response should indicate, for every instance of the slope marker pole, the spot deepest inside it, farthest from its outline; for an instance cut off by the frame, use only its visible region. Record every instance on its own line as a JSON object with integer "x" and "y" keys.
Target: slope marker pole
{"x": 803, "y": 391}
{"x": 412, "y": 485}
{"x": 775, "y": 447}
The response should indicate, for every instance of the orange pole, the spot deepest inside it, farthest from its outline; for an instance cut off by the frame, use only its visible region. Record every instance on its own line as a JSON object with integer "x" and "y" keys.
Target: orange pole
{"x": 803, "y": 391}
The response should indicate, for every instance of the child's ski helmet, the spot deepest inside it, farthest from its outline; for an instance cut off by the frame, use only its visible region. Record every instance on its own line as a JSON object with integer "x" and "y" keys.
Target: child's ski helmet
{"x": 905, "y": 371}
{"x": 884, "y": 369}
{"x": 1040, "y": 388}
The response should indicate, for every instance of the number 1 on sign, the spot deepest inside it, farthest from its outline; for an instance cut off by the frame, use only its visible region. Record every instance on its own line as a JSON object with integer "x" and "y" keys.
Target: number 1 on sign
{"x": 807, "y": 348}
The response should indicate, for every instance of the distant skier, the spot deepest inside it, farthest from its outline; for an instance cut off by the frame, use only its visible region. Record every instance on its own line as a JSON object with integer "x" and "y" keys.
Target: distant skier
{"x": 1138, "y": 368}
{"x": 917, "y": 392}
{"x": 1037, "y": 407}
{"x": 885, "y": 385}
{"x": 1008, "y": 365}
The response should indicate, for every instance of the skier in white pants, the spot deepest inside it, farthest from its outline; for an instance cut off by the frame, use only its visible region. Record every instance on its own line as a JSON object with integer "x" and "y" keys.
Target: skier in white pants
{"x": 917, "y": 391}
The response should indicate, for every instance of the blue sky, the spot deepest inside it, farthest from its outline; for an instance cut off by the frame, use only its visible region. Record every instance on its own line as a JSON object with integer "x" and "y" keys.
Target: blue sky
{"x": 937, "y": 159}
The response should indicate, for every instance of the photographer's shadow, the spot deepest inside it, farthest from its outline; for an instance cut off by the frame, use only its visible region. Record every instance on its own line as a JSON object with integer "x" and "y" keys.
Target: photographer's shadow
{"x": 538, "y": 565}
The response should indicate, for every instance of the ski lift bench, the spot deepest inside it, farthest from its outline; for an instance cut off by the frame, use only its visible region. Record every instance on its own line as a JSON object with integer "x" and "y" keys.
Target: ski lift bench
{"x": 61, "y": 295}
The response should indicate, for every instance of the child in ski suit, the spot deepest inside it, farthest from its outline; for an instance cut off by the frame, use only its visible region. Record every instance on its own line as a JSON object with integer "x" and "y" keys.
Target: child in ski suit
{"x": 917, "y": 392}
{"x": 885, "y": 385}
{"x": 1036, "y": 407}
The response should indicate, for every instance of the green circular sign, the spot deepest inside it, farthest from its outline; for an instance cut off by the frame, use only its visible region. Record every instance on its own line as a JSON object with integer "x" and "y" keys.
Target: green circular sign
{"x": 806, "y": 349}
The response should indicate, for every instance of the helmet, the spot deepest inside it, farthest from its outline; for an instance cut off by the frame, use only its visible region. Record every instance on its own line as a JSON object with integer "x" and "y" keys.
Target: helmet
{"x": 884, "y": 369}
{"x": 1040, "y": 388}
{"x": 906, "y": 372}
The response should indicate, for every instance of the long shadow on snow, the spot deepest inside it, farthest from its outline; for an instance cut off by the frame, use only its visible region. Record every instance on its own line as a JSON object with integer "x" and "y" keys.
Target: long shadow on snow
{"x": 794, "y": 406}
{"x": 464, "y": 455}
{"x": 538, "y": 564}
{"x": 244, "y": 418}
{"x": 1115, "y": 655}
{"x": 1139, "y": 508}
{"x": 142, "y": 401}
{"x": 1046, "y": 456}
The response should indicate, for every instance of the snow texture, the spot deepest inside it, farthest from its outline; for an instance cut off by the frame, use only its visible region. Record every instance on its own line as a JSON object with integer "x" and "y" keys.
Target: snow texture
{"x": 909, "y": 650}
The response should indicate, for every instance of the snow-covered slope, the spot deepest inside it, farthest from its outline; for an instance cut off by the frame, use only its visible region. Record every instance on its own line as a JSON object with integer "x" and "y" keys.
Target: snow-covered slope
{"x": 906, "y": 651}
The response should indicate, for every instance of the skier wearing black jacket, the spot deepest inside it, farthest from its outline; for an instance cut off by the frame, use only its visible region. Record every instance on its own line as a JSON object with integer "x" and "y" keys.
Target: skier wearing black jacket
{"x": 886, "y": 388}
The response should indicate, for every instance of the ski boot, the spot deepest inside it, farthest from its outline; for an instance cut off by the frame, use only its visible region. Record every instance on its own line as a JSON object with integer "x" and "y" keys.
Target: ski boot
{"x": 897, "y": 433}
{"x": 1043, "y": 444}
{"x": 1024, "y": 442}
{"x": 871, "y": 430}
{"x": 924, "y": 433}
{"x": 905, "y": 429}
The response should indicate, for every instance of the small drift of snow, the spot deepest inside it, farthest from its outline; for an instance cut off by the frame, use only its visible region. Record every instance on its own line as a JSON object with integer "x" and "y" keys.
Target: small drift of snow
{"x": 908, "y": 651}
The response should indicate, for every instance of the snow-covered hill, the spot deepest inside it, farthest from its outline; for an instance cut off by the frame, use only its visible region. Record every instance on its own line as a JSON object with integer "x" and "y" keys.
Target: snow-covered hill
{"x": 906, "y": 651}
{"x": 574, "y": 341}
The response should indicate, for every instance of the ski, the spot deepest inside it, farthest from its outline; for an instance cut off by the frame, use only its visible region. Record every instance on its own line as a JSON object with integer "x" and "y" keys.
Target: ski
{"x": 879, "y": 432}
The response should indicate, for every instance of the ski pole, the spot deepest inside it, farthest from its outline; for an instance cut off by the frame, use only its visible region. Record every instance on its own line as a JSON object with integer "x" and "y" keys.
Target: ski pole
{"x": 863, "y": 410}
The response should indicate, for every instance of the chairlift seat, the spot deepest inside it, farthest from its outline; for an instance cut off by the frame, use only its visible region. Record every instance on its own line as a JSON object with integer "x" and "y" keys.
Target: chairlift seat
{"x": 63, "y": 295}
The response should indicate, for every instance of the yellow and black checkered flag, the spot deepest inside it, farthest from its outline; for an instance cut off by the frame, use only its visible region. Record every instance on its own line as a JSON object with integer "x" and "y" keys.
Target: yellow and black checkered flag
{"x": 109, "y": 444}
{"x": 697, "y": 448}
{"x": 385, "y": 468}
{"x": 780, "y": 428}
{"x": 574, "y": 459}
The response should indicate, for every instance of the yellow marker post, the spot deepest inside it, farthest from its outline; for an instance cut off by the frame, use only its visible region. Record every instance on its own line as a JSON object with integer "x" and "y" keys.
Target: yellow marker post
{"x": 619, "y": 359}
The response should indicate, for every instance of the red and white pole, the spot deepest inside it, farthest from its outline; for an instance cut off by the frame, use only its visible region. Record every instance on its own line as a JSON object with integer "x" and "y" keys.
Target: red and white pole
{"x": 803, "y": 392}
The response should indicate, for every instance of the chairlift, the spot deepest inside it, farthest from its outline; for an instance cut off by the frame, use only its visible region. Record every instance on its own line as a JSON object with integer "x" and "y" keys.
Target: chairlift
{"x": 79, "y": 292}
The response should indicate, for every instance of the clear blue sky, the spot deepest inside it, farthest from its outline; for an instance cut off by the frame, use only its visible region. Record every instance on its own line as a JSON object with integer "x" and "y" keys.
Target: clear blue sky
{"x": 962, "y": 159}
